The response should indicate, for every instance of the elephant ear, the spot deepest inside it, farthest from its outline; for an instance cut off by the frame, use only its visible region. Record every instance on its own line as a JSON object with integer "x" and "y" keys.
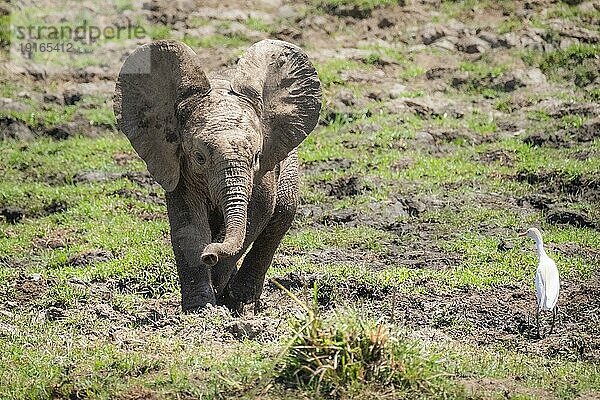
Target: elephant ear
{"x": 284, "y": 89}
{"x": 156, "y": 84}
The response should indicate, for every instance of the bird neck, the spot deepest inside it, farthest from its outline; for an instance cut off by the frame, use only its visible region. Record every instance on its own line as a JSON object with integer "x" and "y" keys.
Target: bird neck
{"x": 539, "y": 247}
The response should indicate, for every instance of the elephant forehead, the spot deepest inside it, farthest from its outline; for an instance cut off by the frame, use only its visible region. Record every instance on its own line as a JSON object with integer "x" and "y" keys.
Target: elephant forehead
{"x": 227, "y": 113}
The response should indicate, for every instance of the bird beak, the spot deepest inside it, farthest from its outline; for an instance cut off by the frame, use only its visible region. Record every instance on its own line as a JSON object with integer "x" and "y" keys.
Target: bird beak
{"x": 522, "y": 234}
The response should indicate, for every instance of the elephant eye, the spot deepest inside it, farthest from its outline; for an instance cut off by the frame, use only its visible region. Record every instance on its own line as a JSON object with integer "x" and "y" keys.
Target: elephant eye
{"x": 199, "y": 157}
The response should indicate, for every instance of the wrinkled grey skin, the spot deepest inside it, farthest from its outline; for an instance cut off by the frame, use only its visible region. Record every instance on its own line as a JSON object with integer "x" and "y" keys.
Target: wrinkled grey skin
{"x": 224, "y": 150}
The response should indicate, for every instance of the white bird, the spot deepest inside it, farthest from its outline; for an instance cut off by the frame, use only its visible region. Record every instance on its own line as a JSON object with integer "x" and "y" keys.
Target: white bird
{"x": 547, "y": 282}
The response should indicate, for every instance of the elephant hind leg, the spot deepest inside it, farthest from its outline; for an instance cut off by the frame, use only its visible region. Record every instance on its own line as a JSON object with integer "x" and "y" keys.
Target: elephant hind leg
{"x": 246, "y": 286}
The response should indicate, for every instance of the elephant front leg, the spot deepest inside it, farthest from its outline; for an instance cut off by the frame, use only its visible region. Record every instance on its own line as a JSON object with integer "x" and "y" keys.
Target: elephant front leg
{"x": 189, "y": 236}
{"x": 247, "y": 285}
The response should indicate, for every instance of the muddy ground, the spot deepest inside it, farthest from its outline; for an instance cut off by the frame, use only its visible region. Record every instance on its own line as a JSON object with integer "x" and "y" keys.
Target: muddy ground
{"x": 456, "y": 76}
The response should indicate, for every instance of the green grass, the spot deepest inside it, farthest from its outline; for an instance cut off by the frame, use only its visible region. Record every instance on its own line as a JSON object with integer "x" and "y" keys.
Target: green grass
{"x": 365, "y": 5}
{"x": 111, "y": 328}
{"x": 576, "y": 63}
{"x": 330, "y": 71}
{"x": 217, "y": 41}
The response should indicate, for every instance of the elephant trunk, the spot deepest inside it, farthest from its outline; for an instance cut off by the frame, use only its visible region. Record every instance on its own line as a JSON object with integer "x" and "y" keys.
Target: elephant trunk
{"x": 233, "y": 194}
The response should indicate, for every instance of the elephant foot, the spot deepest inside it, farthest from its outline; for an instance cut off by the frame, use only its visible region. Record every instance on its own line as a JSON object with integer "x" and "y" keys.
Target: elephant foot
{"x": 238, "y": 293}
{"x": 233, "y": 304}
{"x": 194, "y": 301}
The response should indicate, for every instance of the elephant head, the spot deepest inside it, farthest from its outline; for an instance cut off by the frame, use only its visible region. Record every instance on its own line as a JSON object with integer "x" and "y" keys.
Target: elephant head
{"x": 216, "y": 137}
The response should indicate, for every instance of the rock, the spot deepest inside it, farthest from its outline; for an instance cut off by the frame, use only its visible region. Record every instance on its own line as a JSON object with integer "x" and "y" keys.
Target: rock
{"x": 36, "y": 72}
{"x": 567, "y": 42}
{"x": 11, "y": 128}
{"x": 414, "y": 207}
{"x": 511, "y": 39}
{"x": 579, "y": 34}
{"x": 70, "y": 97}
{"x": 363, "y": 128}
{"x": 12, "y": 214}
{"x": 459, "y": 79}
{"x": 518, "y": 78}
{"x": 532, "y": 76}
{"x": 420, "y": 108}
{"x": 472, "y": 45}
{"x": 363, "y": 76}
{"x": 286, "y": 33}
{"x": 376, "y": 94}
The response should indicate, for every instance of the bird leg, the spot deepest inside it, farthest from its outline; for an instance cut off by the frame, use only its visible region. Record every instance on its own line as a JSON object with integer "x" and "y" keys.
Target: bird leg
{"x": 537, "y": 321}
{"x": 554, "y": 314}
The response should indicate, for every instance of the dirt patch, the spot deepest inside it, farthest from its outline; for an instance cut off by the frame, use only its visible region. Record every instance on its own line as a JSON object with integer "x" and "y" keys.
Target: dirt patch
{"x": 29, "y": 288}
{"x": 12, "y": 214}
{"x": 570, "y": 217}
{"x": 558, "y": 182}
{"x": 152, "y": 197}
{"x": 90, "y": 257}
{"x": 501, "y": 156}
{"x": 510, "y": 388}
{"x": 54, "y": 239}
{"x": 346, "y": 186}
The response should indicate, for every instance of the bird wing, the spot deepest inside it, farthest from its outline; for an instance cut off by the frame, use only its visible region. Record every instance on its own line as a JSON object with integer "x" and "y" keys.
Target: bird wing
{"x": 552, "y": 284}
{"x": 540, "y": 288}
{"x": 547, "y": 284}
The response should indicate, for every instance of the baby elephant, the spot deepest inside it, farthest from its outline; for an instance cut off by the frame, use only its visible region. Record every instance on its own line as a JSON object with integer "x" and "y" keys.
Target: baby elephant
{"x": 224, "y": 149}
